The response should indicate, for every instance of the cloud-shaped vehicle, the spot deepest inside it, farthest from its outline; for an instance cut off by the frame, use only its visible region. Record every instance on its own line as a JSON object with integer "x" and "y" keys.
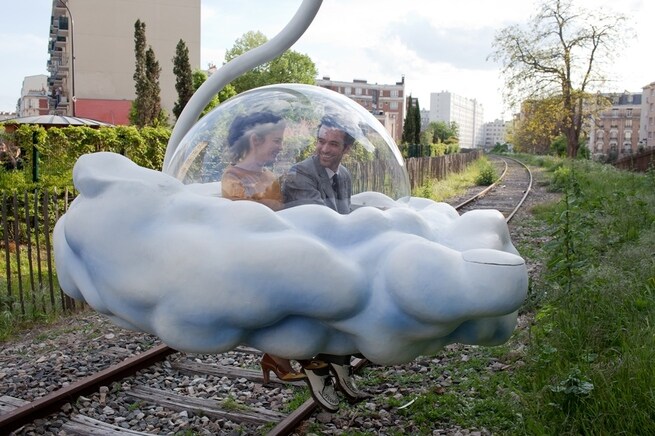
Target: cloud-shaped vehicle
{"x": 398, "y": 277}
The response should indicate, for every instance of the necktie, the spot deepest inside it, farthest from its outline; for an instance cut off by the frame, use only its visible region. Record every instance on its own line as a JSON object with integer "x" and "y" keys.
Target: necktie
{"x": 335, "y": 185}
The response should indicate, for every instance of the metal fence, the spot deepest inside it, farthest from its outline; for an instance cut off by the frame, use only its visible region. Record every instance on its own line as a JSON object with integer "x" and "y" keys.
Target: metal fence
{"x": 28, "y": 280}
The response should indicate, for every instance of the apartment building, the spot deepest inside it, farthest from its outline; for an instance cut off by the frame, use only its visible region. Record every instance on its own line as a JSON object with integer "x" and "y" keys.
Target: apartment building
{"x": 33, "y": 99}
{"x": 614, "y": 132}
{"x": 467, "y": 113}
{"x": 385, "y": 102}
{"x": 92, "y": 59}
{"x": 494, "y": 133}
{"x": 647, "y": 118}
{"x": 425, "y": 119}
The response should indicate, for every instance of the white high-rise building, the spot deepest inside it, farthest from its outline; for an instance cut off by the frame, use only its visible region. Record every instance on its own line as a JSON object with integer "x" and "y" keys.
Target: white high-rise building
{"x": 466, "y": 112}
{"x": 494, "y": 133}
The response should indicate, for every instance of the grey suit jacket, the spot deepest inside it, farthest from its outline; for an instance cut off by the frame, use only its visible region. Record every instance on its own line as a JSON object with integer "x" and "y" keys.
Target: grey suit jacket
{"x": 308, "y": 183}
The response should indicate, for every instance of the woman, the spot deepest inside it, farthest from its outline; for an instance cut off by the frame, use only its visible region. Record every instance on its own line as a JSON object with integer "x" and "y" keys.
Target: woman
{"x": 254, "y": 142}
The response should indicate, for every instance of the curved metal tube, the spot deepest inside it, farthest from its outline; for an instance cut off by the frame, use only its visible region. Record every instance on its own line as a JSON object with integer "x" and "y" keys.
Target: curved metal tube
{"x": 228, "y": 72}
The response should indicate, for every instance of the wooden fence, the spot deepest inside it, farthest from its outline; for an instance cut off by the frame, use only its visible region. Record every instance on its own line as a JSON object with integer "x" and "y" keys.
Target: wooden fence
{"x": 421, "y": 169}
{"x": 28, "y": 280}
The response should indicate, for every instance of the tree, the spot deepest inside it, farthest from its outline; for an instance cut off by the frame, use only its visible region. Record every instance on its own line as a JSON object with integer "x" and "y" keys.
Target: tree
{"x": 290, "y": 67}
{"x": 412, "y": 124}
{"x": 183, "y": 77}
{"x": 156, "y": 115}
{"x": 443, "y": 131}
{"x": 560, "y": 55}
{"x": 539, "y": 124}
{"x": 146, "y": 108}
{"x": 137, "y": 112}
{"x": 199, "y": 77}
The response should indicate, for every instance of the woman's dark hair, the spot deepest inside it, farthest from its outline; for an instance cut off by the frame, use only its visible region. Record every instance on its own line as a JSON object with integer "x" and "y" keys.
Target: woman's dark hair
{"x": 260, "y": 123}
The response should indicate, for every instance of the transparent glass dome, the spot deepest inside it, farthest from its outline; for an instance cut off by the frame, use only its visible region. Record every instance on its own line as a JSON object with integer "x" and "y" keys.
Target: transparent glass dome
{"x": 374, "y": 161}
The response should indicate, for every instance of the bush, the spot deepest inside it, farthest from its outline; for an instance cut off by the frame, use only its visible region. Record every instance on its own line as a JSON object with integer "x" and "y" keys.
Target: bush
{"x": 487, "y": 175}
{"x": 59, "y": 148}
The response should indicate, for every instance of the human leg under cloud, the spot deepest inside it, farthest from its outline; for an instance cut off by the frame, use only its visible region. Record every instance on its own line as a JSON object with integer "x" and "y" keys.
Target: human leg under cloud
{"x": 321, "y": 179}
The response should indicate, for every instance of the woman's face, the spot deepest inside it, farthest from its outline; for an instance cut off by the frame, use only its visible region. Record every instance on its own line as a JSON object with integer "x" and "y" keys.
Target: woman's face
{"x": 268, "y": 146}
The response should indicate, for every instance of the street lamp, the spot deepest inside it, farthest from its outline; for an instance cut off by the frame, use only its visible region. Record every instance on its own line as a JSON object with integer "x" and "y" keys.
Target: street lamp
{"x": 70, "y": 16}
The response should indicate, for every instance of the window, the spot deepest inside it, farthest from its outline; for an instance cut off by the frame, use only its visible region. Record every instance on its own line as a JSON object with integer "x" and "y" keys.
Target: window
{"x": 358, "y": 91}
{"x": 628, "y": 113}
{"x": 627, "y": 135}
{"x": 394, "y": 105}
{"x": 628, "y": 123}
{"x": 394, "y": 93}
{"x": 348, "y": 90}
{"x": 615, "y": 113}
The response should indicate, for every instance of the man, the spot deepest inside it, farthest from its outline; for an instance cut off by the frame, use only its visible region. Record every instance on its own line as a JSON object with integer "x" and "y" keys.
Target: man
{"x": 313, "y": 180}
{"x": 321, "y": 179}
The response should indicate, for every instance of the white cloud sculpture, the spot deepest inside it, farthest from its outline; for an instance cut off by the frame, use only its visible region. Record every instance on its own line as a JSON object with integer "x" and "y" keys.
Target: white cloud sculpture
{"x": 206, "y": 274}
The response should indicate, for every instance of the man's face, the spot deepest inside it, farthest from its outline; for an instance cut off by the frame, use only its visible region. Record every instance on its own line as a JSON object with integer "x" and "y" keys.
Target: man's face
{"x": 330, "y": 147}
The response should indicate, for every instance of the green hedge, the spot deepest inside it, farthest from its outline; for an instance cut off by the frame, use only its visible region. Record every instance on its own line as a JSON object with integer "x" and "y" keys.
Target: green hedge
{"x": 59, "y": 148}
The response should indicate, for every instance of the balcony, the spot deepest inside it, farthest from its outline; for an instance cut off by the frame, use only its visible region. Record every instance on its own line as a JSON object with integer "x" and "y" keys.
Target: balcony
{"x": 60, "y": 42}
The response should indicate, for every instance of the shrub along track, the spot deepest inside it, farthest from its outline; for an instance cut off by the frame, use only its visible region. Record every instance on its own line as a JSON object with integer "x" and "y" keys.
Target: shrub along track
{"x": 160, "y": 390}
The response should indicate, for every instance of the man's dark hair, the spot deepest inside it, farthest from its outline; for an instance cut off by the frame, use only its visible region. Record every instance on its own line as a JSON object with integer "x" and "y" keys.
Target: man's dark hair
{"x": 333, "y": 123}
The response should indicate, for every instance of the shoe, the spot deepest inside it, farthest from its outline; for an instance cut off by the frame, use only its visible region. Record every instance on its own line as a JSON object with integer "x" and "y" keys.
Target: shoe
{"x": 322, "y": 389}
{"x": 346, "y": 384}
{"x": 268, "y": 364}
{"x": 313, "y": 364}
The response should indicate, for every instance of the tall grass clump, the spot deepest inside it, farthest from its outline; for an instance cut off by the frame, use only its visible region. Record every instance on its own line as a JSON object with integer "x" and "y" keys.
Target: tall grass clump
{"x": 455, "y": 184}
{"x": 487, "y": 174}
{"x": 590, "y": 367}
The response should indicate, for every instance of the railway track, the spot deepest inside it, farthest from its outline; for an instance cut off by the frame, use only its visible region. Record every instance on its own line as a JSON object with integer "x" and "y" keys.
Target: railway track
{"x": 506, "y": 194}
{"x": 237, "y": 405}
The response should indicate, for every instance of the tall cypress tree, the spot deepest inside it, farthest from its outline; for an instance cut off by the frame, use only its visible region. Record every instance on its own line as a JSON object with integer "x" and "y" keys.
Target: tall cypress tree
{"x": 409, "y": 128}
{"x": 137, "y": 112}
{"x": 154, "y": 111}
{"x": 146, "y": 108}
{"x": 417, "y": 123}
{"x": 183, "y": 77}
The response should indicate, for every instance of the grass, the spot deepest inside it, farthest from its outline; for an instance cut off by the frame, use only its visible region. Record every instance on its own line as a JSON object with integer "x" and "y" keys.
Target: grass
{"x": 590, "y": 362}
{"x": 37, "y": 305}
{"x": 586, "y": 365}
{"x": 478, "y": 399}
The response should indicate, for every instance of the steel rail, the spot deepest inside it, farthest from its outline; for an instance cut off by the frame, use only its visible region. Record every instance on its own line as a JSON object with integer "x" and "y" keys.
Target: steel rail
{"x": 527, "y": 190}
{"x": 500, "y": 179}
{"x": 483, "y": 192}
{"x": 52, "y": 402}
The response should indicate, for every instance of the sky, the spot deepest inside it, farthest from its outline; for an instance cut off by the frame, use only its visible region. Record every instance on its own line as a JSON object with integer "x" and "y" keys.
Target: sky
{"x": 436, "y": 46}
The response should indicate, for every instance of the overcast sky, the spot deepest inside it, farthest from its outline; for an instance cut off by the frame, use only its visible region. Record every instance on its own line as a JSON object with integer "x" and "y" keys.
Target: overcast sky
{"x": 437, "y": 46}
